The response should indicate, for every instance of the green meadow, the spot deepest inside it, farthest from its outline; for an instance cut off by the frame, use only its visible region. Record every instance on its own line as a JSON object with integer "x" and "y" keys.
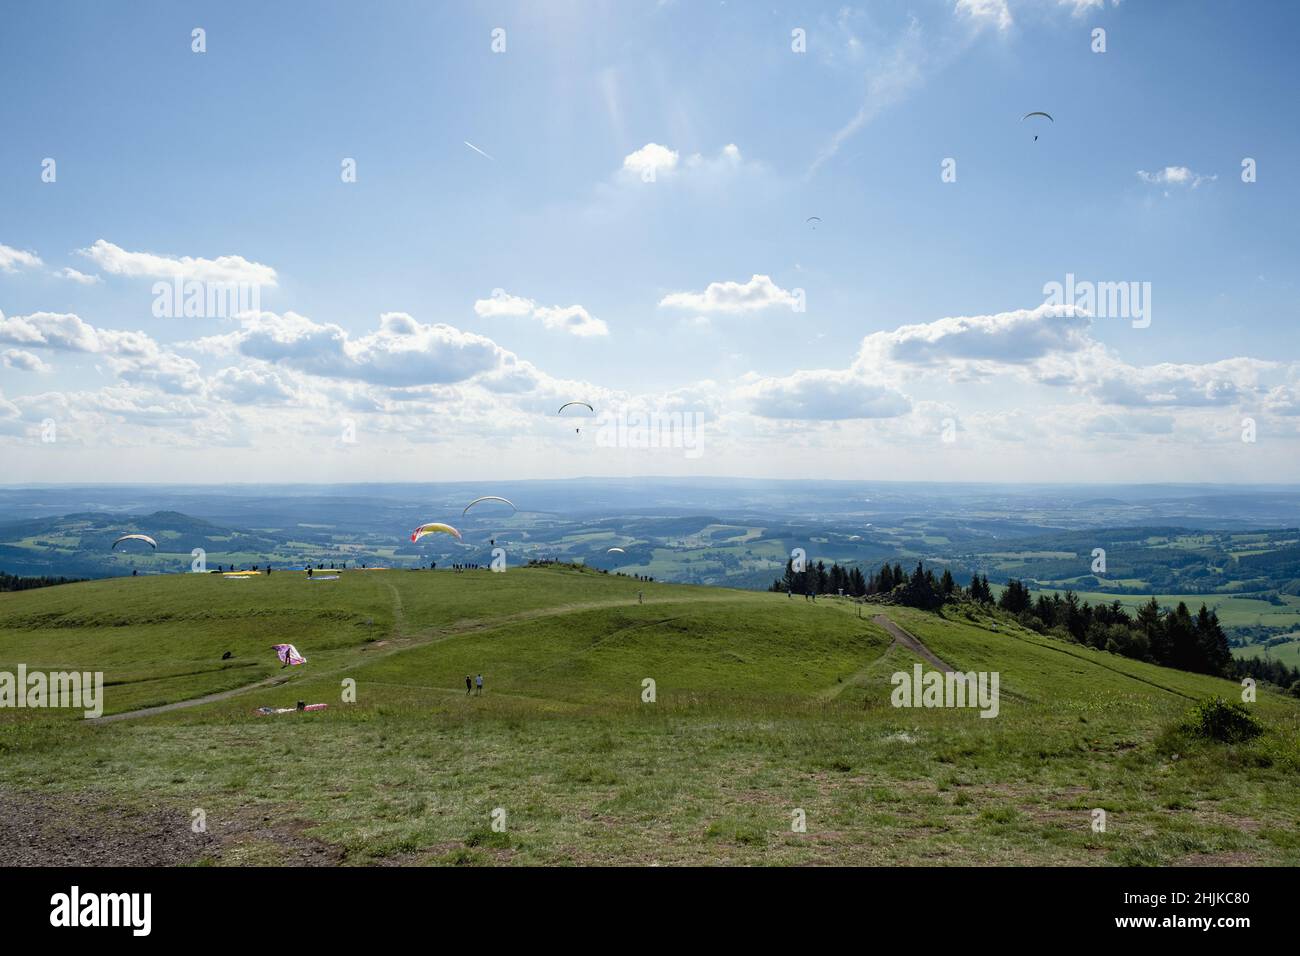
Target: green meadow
{"x": 623, "y": 723}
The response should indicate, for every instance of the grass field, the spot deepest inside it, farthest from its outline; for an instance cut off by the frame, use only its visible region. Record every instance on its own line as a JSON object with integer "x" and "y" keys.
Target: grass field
{"x": 763, "y": 707}
{"x": 1233, "y": 611}
{"x": 1287, "y": 652}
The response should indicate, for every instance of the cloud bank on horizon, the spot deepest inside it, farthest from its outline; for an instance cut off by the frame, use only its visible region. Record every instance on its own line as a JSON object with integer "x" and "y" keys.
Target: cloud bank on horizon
{"x": 357, "y": 298}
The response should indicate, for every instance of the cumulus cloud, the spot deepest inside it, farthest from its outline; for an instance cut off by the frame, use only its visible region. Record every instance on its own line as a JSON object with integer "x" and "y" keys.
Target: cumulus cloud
{"x": 72, "y": 275}
{"x": 115, "y": 260}
{"x": 651, "y": 160}
{"x": 22, "y": 361}
{"x": 760, "y": 292}
{"x": 11, "y": 260}
{"x": 402, "y": 352}
{"x": 501, "y": 303}
{"x": 134, "y": 356}
{"x": 573, "y": 319}
{"x": 1174, "y": 176}
{"x": 251, "y": 386}
{"x": 1213, "y": 384}
{"x": 1283, "y": 400}
{"x": 1017, "y": 337}
{"x": 824, "y": 395}
{"x": 54, "y": 330}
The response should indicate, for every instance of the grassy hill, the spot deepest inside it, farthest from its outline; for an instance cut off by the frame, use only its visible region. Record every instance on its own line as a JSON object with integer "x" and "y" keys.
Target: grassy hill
{"x": 764, "y": 706}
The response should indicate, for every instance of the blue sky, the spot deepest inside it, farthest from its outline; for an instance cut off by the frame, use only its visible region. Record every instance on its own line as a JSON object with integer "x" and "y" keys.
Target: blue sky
{"x": 904, "y": 336}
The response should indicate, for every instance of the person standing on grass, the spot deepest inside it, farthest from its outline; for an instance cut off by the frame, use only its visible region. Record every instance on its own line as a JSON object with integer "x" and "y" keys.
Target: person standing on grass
{"x": 468, "y": 685}
{"x": 479, "y": 681}
{"x": 640, "y": 597}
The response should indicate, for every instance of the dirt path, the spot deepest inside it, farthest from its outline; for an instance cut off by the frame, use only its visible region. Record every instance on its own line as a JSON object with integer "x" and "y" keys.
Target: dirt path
{"x": 182, "y": 704}
{"x": 900, "y": 638}
{"x": 912, "y": 643}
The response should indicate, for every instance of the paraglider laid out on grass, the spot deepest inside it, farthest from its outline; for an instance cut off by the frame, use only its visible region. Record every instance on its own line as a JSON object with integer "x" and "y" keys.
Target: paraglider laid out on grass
{"x": 288, "y": 654}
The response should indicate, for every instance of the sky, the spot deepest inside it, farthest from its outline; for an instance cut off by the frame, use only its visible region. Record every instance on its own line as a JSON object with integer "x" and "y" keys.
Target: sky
{"x": 760, "y": 240}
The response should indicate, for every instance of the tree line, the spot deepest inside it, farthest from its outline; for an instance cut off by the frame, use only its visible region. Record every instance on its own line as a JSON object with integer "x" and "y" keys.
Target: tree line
{"x": 1170, "y": 637}
{"x": 919, "y": 589}
{"x": 12, "y": 582}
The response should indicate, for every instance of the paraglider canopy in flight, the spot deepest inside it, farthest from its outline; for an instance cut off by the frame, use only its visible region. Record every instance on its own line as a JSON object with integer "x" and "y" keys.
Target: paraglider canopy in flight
{"x": 814, "y": 220}
{"x": 434, "y": 527}
{"x": 583, "y": 404}
{"x": 489, "y": 498}
{"x": 136, "y": 537}
{"x": 618, "y": 550}
{"x": 1038, "y": 113}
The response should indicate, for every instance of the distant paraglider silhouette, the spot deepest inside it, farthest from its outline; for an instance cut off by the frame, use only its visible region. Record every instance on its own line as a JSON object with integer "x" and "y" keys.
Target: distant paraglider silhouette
{"x": 1038, "y": 113}
{"x": 576, "y": 431}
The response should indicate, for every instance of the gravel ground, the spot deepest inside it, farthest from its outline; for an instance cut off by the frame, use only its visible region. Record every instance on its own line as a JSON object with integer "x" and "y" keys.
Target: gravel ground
{"x": 88, "y": 829}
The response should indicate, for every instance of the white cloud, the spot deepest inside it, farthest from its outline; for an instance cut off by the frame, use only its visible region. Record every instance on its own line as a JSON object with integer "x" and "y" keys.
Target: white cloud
{"x": 52, "y": 330}
{"x": 573, "y": 319}
{"x": 1080, "y": 7}
{"x": 1174, "y": 176}
{"x": 651, "y": 160}
{"x": 824, "y": 395}
{"x": 760, "y": 292}
{"x": 251, "y": 386}
{"x": 118, "y": 261}
{"x": 22, "y": 361}
{"x": 13, "y": 259}
{"x": 1018, "y": 337}
{"x": 79, "y": 277}
{"x": 986, "y": 12}
{"x": 402, "y": 353}
{"x": 501, "y": 303}
{"x": 1214, "y": 384}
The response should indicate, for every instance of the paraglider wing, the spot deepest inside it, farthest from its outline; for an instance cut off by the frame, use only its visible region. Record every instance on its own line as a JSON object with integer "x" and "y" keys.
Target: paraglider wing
{"x": 136, "y": 537}
{"x": 583, "y": 404}
{"x": 434, "y": 528}
{"x": 1047, "y": 116}
{"x": 616, "y": 550}
{"x": 288, "y": 654}
{"x": 489, "y": 498}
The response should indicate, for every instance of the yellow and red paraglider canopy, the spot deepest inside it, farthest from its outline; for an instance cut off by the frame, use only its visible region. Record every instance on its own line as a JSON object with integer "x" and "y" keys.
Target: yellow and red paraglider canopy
{"x": 435, "y": 527}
